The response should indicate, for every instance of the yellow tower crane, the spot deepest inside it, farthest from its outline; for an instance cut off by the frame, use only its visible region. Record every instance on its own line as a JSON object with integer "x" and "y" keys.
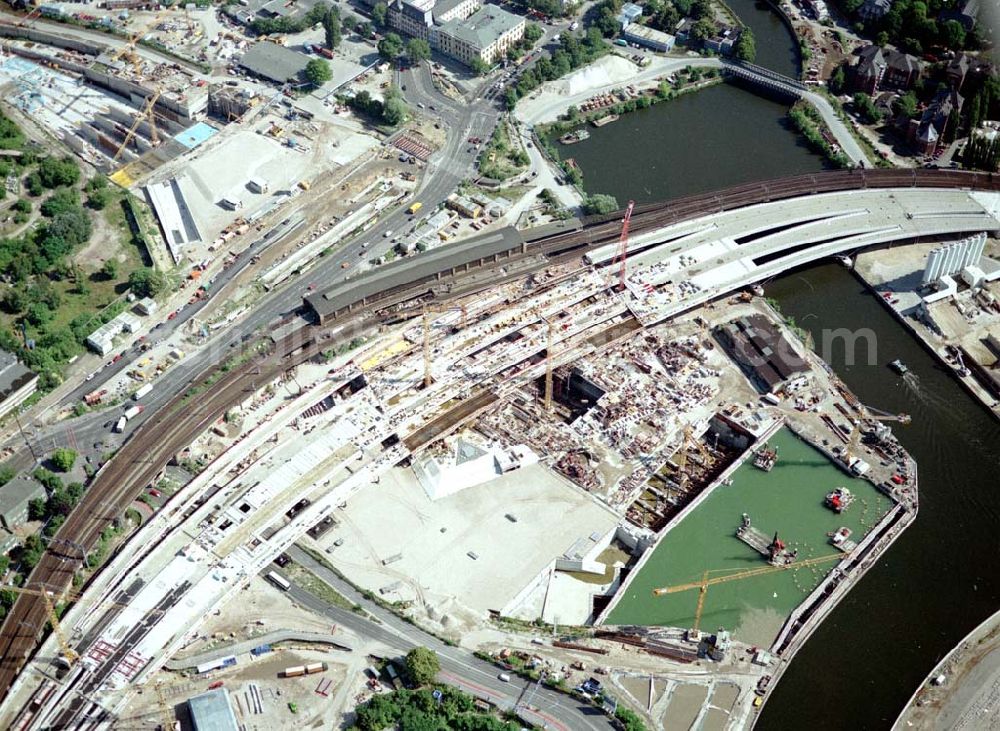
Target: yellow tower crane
{"x": 128, "y": 50}
{"x": 702, "y": 586}
{"x": 69, "y": 654}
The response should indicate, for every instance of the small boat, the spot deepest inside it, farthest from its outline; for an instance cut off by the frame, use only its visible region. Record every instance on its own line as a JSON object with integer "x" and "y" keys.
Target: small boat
{"x": 844, "y": 260}
{"x": 571, "y": 138}
{"x": 757, "y": 290}
{"x": 839, "y": 499}
{"x": 899, "y": 366}
{"x": 606, "y": 119}
{"x": 765, "y": 458}
{"x": 842, "y": 540}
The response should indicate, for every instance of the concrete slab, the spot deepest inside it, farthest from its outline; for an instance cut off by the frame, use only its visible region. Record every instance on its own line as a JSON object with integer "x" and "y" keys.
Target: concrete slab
{"x": 433, "y": 539}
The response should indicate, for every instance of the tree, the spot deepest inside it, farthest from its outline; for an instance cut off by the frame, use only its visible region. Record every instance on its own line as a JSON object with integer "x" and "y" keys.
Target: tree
{"x": 50, "y": 481}
{"x": 746, "y": 46}
{"x": 98, "y": 199}
{"x": 629, "y": 720}
{"x": 906, "y": 105}
{"x": 391, "y": 47}
{"x": 349, "y": 23}
{"x": 110, "y": 269}
{"x": 37, "y": 509}
{"x": 953, "y": 35}
{"x": 14, "y": 301}
{"x": 532, "y": 32}
{"x": 867, "y": 109}
{"x": 57, "y": 172}
{"x": 331, "y": 27}
{"x": 703, "y": 29}
{"x": 422, "y": 665}
{"x": 365, "y": 30}
{"x": 837, "y": 80}
{"x": 394, "y": 111}
{"x": 379, "y": 13}
{"x": 418, "y": 50}
{"x": 599, "y": 203}
{"x": 480, "y": 67}
{"x": 63, "y": 459}
{"x": 147, "y": 282}
{"x": 318, "y": 72}
{"x": 64, "y": 199}
{"x": 510, "y": 99}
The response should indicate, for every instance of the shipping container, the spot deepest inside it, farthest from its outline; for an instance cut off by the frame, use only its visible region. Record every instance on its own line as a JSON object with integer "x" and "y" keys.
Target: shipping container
{"x": 217, "y": 664}
{"x": 262, "y": 650}
{"x": 120, "y": 425}
{"x": 316, "y": 667}
{"x": 142, "y": 392}
{"x": 294, "y": 671}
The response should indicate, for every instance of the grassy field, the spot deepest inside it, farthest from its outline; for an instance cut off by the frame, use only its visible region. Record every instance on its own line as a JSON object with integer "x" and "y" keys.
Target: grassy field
{"x": 789, "y": 500}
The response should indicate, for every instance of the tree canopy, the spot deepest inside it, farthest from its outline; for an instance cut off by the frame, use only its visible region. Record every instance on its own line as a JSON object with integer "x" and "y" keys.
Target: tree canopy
{"x": 63, "y": 459}
{"x": 318, "y": 72}
{"x": 599, "y": 203}
{"x": 391, "y": 46}
{"x": 422, "y": 665}
{"x": 147, "y": 282}
{"x": 746, "y": 46}
{"x": 417, "y": 50}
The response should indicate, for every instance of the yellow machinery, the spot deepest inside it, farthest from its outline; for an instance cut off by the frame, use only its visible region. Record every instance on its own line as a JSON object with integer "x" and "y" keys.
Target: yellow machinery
{"x": 69, "y": 654}
{"x": 146, "y": 113}
{"x": 128, "y": 50}
{"x": 702, "y": 586}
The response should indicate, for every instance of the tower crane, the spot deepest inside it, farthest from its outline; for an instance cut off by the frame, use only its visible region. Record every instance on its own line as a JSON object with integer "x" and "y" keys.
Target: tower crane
{"x": 129, "y": 48}
{"x": 622, "y": 254}
{"x": 681, "y": 458}
{"x": 146, "y": 113}
{"x": 706, "y": 581}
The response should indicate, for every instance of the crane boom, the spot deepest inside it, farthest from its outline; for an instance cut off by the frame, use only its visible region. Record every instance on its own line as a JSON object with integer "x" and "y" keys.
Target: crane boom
{"x": 623, "y": 244}
{"x": 745, "y": 574}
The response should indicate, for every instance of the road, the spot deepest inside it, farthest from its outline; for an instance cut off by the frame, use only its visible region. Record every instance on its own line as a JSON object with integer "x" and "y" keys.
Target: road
{"x": 459, "y": 667}
{"x": 446, "y": 168}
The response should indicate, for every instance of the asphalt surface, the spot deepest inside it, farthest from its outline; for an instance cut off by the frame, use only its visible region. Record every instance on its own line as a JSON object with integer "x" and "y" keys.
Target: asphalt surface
{"x": 459, "y": 667}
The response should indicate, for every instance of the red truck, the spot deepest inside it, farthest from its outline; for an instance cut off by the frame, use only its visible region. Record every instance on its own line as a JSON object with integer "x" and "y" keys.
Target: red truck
{"x": 322, "y": 51}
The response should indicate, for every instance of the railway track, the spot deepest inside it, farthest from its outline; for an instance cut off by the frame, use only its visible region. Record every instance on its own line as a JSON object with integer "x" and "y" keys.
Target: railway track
{"x": 177, "y": 424}
{"x": 135, "y": 465}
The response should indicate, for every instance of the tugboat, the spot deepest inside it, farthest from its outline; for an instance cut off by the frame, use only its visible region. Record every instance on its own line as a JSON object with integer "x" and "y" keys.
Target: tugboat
{"x": 899, "y": 366}
{"x": 572, "y": 138}
{"x": 839, "y": 500}
{"x": 765, "y": 458}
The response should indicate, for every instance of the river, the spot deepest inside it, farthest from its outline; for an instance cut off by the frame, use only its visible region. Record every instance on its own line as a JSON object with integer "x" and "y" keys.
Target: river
{"x": 705, "y": 140}
{"x": 939, "y": 580}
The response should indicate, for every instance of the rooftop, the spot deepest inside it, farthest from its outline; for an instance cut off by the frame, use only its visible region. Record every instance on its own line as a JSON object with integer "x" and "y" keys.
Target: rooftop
{"x": 13, "y": 374}
{"x": 413, "y": 269}
{"x": 271, "y": 61}
{"x": 212, "y": 711}
{"x": 483, "y": 27}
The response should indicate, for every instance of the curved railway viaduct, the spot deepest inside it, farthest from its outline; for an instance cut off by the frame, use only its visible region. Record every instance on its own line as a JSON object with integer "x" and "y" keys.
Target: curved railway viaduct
{"x": 349, "y": 307}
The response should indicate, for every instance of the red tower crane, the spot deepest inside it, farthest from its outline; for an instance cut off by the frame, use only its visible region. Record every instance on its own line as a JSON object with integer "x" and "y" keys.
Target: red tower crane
{"x": 623, "y": 245}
